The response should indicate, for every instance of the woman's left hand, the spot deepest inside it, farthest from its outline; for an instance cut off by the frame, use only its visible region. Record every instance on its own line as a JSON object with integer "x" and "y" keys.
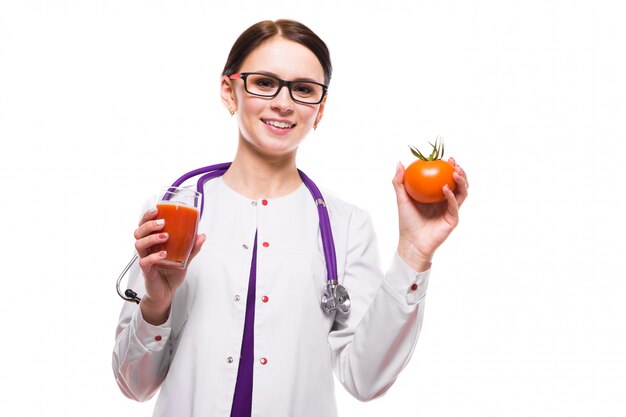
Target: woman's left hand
{"x": 424, "y": 227}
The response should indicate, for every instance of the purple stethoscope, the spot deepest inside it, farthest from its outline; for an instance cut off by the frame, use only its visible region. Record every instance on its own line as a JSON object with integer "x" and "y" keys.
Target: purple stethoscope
{"x": 335, "y": 296}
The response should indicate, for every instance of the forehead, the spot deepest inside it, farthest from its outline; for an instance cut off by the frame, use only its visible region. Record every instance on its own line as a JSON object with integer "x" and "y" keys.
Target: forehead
{"x": 284, "y": 58}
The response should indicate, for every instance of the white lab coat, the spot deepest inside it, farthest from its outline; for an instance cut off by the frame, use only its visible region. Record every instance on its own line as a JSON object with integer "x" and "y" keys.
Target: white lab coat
{"x": 194, "y": 356}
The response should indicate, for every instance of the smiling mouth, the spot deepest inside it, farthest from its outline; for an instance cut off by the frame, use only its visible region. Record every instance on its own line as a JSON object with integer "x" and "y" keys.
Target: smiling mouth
{"x": 280, "y": 125}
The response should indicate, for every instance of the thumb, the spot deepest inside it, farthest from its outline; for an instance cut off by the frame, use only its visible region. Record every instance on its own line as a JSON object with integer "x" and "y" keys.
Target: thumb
{"x": 200, "y": 239}
{"x": 398, "y": 184}
{"x": 399, "y": 176}
{"x": 398, "y": 179}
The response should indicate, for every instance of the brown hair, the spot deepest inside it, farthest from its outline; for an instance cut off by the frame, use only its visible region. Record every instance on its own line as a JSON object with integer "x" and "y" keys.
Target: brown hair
{"x": 260, "y": 32}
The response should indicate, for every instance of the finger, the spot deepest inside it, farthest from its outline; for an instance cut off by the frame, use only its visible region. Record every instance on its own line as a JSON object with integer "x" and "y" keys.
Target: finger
{"x": 398, "y": 184}
{"x": 398, "y": 178}
{"x": 453, "y": 206}
{"x": 456, "y": 166}
{"x": 200, "y": 239}
{"x": 143, "y": 245}
{"x": 147, "y": 263}
{"x": 461, "y": 187}
{"x": 149, "y": 215}
{"x": 461, "y": 172}
{"x": 149, "y": 228}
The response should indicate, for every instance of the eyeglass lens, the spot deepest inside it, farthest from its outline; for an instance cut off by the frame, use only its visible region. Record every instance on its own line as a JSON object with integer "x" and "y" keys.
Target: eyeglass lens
{"x": 267, "y": 86}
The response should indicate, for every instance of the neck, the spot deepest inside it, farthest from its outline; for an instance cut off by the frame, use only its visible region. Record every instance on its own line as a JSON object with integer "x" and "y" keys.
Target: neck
{"x": 257, "y": 176}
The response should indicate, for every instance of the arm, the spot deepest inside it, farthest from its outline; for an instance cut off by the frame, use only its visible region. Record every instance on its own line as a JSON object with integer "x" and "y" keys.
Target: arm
{"x": 144, "y": 340}
{"x": 142, "y": 351}
{"x": 374, "y": 342}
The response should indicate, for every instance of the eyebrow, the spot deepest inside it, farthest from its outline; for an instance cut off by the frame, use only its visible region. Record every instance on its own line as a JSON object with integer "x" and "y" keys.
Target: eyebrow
{"x": 277, "y": 76}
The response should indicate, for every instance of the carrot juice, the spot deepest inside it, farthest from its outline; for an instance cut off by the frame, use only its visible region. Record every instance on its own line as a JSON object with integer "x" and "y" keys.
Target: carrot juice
{"x": 181, "y": 224}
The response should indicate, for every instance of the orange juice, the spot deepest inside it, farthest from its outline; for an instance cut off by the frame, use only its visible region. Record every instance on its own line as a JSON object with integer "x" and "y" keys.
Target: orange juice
{"x": 181, "y": 224}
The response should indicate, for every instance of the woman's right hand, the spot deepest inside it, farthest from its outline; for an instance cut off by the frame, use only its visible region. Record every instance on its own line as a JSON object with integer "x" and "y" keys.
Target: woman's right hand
{"x": 161, "y": 283}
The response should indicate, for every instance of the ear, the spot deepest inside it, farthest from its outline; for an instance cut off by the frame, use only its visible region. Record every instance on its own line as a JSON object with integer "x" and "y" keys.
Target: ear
{"x": 320, "y": 112}
{"x": 228, "y": 94}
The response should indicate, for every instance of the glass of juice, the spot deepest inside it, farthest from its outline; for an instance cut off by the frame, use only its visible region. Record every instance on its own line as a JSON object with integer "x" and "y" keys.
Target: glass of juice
{"x": 180, "y": 208}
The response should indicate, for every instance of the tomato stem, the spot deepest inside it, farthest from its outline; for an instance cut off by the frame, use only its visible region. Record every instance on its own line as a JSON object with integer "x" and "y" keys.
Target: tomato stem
{"x": 417, "y": 153}
{"x": 436, "y": 153}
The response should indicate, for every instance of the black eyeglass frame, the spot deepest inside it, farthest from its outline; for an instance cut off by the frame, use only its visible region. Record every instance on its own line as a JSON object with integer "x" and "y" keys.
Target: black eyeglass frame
{"x": 244, "y": 76}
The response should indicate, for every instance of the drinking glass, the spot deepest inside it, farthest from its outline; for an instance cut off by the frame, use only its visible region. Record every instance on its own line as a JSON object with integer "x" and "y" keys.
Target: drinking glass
{"x": 180, "y": 208}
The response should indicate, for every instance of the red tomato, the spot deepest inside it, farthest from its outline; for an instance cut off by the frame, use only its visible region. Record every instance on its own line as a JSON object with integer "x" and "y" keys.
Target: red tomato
{"x": 424, "y": 180}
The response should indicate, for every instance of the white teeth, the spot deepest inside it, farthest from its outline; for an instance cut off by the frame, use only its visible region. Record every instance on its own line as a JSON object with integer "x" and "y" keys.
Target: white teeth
{"x": 282, "y": 125}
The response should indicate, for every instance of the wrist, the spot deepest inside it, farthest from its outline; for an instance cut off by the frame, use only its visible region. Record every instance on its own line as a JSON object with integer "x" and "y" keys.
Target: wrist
{"x": 417, "y": 260}
{"x": 154, "y": 313}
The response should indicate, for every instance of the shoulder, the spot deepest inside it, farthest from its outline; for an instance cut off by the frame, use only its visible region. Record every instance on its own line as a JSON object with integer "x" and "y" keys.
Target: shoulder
{"x": 352, "y": 227}
{"x": 341, "y": 210}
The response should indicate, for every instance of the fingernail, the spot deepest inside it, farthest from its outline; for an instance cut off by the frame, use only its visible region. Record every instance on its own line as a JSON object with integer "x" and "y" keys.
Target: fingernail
{"x": 163, "y": 236}
{"x": 398, "y": 166}
{"x": 153, "y": 210}
{"x": 162, "y": 254}
{"x": 159, "y": 222}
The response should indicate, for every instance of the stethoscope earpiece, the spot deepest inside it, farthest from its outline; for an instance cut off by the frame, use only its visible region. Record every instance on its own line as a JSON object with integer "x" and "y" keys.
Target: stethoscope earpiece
{"x": 129, "y": 295}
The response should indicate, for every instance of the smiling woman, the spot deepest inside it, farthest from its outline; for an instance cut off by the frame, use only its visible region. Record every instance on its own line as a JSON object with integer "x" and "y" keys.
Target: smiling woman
{"x": 195, "y": 338}
{"x": 274, "y": 120}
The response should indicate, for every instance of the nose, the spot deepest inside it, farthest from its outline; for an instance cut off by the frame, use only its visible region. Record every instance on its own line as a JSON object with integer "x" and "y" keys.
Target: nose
{"x": 282, "y": 101}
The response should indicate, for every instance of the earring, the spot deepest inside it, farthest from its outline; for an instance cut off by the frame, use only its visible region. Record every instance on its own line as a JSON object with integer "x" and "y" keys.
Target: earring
{"x": 230, "y": 109}
{"x": 314, "y": 127}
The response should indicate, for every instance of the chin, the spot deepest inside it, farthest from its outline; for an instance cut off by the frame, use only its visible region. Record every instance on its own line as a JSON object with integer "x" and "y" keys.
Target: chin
{"x": 276, "y": 153}
{"x": 277, "y": 146}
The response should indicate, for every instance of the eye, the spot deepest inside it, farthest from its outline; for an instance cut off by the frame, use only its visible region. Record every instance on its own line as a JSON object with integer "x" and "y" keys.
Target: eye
{"x": 265, "y": 83}
{"x": 303, "y": 89}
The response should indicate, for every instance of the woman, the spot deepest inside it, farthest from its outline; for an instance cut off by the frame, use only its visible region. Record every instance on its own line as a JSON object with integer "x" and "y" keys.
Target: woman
{"x": 241, "y": 330}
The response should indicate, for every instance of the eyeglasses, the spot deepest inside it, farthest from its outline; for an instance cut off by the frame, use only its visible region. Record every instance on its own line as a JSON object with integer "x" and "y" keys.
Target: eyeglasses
{"x": 263, "y": 85}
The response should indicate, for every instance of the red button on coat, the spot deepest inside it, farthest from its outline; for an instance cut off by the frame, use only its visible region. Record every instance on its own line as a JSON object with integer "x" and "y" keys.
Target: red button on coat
{"x": 264, "y": 202}
{"x": 414, "y": 287}
{"x": 263, "y": 361}
{"x": 266, "y": 244}
{"x": 265, "y": 298}
{"x": 157, "y": 338}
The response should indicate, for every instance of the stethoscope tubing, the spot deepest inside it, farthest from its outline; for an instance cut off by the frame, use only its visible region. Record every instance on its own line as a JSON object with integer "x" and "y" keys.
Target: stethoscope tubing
{"x": 328, "y": 242}
{"x": 213, "y": 171}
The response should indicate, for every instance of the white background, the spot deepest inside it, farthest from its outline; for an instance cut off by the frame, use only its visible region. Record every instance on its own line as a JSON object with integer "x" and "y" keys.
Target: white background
{"x": 103, "y": 101}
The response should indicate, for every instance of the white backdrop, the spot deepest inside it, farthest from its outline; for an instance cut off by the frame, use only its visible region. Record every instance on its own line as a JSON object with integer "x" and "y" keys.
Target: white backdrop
{"x": 100, "y": 102}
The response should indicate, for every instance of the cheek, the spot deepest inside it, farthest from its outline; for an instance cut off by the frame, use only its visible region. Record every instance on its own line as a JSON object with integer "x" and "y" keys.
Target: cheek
{"x": 308, "y": 115}
{"x": 248, "y": 115}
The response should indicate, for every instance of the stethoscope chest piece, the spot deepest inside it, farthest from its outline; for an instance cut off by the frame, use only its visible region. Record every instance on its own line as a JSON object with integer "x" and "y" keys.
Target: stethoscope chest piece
{"x": 335, "y": 297}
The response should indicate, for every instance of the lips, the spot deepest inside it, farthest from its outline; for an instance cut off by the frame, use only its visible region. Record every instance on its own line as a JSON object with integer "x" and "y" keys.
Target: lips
{"x": 280, "y": 124}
